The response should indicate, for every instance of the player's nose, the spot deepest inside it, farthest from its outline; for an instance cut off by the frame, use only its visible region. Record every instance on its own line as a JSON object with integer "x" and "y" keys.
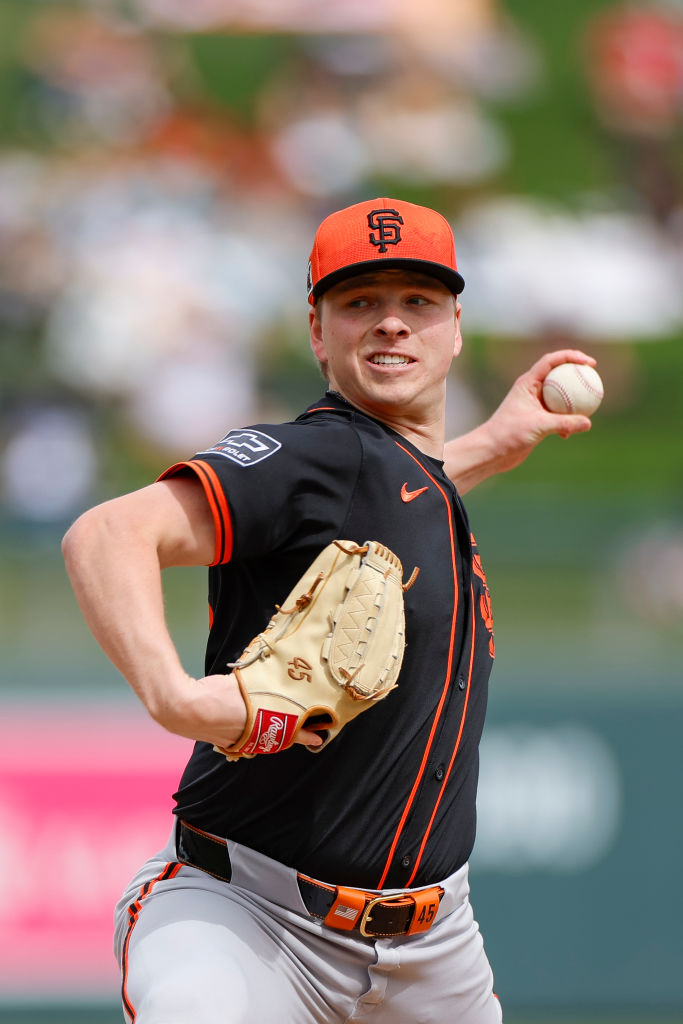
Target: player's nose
{"x": 391, "y": 326}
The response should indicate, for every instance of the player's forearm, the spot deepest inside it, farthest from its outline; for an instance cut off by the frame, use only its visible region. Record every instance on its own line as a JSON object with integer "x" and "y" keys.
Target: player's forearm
{"x": 116, "y": 577}
{"x": 475, "y": 456}
{"x": 512, "y": 432}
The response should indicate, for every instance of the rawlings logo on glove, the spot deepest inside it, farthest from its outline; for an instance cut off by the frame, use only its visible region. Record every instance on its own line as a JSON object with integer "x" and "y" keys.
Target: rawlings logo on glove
{"x": 330, "y": 652}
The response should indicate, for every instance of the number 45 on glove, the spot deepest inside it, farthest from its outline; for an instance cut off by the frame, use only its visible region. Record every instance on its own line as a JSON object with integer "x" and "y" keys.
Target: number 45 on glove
{"x": 333, "y": 650}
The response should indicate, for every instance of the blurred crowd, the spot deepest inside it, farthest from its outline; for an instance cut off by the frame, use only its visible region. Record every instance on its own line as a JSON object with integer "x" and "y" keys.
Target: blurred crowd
{"x": 154, "y": 241}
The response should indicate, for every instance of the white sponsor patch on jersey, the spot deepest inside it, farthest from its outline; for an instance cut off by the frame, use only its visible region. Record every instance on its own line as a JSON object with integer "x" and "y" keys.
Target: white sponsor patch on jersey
{"x": 245, "y": 447}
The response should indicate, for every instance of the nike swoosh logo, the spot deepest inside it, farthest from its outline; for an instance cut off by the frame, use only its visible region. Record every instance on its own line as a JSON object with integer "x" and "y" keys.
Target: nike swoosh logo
{"x": 407, "y": 495}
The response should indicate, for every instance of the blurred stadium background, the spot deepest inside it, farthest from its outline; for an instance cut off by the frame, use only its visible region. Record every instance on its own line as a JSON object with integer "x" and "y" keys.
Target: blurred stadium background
{"x": 163, "y": 166}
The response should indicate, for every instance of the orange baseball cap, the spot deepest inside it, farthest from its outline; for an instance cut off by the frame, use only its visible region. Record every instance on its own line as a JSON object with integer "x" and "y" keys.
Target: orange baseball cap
{"x": 382, "y": 234}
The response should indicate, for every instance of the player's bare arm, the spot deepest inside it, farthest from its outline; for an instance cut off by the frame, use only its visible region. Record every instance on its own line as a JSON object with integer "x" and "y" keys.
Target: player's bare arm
{"x": 115, "y": 554}
{"x": 515, "y": 428}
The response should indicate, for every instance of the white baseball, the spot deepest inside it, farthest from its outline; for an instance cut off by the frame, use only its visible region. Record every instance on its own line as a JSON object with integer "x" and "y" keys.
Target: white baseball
{"x": 573, "y": 387}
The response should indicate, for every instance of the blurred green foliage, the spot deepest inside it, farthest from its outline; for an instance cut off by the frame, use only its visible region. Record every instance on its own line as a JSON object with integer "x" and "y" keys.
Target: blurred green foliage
{"x": 234, "y": 69}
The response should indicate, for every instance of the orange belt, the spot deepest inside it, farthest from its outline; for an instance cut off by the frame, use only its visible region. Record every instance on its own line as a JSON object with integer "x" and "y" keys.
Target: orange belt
{"x": 372, "y": 914}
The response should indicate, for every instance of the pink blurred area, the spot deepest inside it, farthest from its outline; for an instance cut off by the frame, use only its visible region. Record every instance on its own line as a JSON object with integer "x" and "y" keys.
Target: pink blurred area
{"x": 85, "y": 797}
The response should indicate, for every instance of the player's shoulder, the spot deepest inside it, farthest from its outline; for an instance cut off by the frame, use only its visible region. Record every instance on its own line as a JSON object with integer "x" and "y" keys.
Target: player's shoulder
{"x": 335, "y": 414}
{"x": 321, "y": 432}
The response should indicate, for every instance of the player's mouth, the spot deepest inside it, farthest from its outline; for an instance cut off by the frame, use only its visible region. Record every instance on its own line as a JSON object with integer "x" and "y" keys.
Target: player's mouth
{"x": 387, "y": 359}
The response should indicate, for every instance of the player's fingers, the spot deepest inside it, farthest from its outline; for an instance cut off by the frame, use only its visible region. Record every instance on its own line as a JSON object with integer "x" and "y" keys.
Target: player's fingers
{"x": 309, "y": 738}
{"x": 565, "y": 426}
{"x": 542, "y": 367}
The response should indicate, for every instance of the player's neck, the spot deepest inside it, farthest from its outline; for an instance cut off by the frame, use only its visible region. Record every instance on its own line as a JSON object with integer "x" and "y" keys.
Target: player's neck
{"x": 421, "y": 435}
{"x": 426, "y": 430}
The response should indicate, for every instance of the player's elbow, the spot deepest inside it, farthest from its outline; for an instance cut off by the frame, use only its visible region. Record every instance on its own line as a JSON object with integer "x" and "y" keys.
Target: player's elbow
{"x": 80, "y": 537}
{"x": 88, "y": 538}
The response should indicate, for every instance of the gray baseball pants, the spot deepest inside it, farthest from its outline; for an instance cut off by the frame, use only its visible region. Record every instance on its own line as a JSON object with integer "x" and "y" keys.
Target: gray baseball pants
{"x": 194, "y": 949}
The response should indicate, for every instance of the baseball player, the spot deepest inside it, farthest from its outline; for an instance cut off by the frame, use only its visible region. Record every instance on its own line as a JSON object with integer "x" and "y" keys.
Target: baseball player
{"x": 327, "y": 882}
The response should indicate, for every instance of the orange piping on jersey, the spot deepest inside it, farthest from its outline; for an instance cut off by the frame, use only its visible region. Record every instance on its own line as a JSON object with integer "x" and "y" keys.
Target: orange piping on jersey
{"x": 210, "y": 617}
{"x": 324, "y": 408}
{"x": 444, "y": 693}
{"x": 455, "y": 749}
{"x": 217, "y": 504}
{"x": 170, "y": 871}
{"x": 214, "y": 493}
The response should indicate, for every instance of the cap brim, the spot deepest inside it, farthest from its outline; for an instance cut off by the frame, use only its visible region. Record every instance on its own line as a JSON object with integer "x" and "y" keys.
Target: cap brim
{"x": 451, "y": 278}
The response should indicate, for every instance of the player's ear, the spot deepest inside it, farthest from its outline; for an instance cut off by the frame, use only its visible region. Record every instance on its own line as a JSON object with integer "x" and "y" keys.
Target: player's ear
{"x": 458, "y": 336}
{"x": 316, "y": 331}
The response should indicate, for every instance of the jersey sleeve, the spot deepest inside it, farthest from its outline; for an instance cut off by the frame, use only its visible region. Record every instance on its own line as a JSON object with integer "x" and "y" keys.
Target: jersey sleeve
{"x": 267, "y": 484}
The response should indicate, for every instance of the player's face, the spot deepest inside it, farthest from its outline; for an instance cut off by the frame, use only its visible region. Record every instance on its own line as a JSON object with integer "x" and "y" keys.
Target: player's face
{"x": 387, "y": 340}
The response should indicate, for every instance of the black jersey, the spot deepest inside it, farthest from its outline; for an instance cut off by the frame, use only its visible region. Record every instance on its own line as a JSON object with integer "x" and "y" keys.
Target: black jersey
{"x": 391, "y": 801}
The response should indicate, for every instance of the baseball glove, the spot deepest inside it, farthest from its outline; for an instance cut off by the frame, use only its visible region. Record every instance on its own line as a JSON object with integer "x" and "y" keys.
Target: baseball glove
{"x": 330, "y": 652}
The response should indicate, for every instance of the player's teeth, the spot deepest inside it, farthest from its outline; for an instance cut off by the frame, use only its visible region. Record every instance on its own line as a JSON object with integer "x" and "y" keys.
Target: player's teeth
{"x": 390, "y": 359}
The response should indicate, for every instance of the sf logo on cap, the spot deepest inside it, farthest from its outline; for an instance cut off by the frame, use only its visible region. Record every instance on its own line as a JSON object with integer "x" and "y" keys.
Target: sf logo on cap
{"x": 386, "y": 225}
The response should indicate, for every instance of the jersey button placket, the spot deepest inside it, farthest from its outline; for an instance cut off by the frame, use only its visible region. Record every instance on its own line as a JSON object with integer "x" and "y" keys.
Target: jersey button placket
{"x": 439, "y": 773}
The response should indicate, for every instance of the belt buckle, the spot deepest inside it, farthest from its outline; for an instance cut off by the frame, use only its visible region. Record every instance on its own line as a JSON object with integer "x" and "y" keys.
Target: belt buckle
{"x": 366, "y": 918}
